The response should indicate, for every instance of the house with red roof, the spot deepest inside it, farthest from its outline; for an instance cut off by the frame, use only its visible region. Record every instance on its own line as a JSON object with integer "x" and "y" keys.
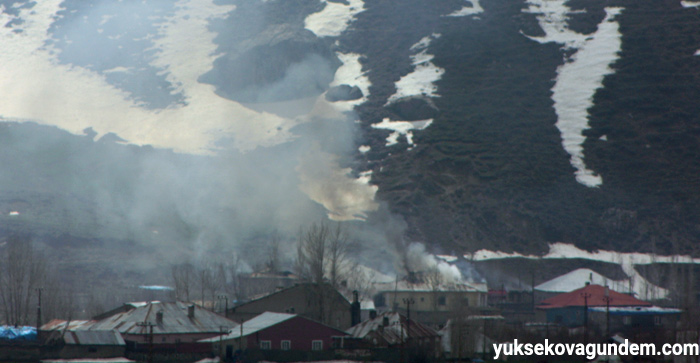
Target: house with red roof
{"x": 570, "y": 309}
{"x": 279, "y": 333}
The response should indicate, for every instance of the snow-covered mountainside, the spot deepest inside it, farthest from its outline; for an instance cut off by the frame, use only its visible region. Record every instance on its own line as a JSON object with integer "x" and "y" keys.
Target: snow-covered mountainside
{"x": 195, "y": 125}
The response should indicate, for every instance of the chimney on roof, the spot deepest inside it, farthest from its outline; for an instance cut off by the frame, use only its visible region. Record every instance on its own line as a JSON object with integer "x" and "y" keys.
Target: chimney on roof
{"x": 385, "y": 321}
{"x": 190, "y": 311}
{"x": 355, "y": 309}
{"x": 159, "y": 317}
{"x": 373, "y": 314}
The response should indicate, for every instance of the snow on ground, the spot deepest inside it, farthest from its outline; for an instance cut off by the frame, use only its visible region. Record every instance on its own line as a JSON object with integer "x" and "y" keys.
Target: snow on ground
{"x": 401, "y": 128}
{"x": 447, "y": 258}
{"x": 469, "y": 10}
{"x": 578, "y": 278}
{"x": 35, "y": 86}
{"x": 580, "y": 76}
{"x": 425, "y": 74}
{"x": 334, "y": 18}
{"x": 643, "y": 288}
{"x": 350, "y": 73}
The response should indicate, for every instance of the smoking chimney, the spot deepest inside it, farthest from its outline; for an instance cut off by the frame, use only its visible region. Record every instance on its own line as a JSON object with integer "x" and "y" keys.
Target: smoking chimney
{"x": 190, "y": 311}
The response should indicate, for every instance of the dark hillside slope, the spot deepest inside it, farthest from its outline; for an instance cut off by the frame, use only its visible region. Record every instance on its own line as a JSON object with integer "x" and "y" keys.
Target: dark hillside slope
{"x": 491, "y": 172}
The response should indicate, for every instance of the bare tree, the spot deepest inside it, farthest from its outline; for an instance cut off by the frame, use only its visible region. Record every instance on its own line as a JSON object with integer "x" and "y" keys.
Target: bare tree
{"x": 233, "y": 280}
{"x": 434, "y": 279}
{"x": 183, "y": 280}
{"x": 321, "y": 256}
{"x": 337, "y": 251}
{"x": 361, "y": 280}
{"x": 273, "y": 254}
{"x": 21, "y": 274}
{"x": 311, "y": 252}
{"x": 206, "y": 284}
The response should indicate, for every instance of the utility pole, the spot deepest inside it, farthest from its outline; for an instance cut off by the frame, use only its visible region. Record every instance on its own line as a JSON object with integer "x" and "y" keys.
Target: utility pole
{"x": 149, "y": 326}
{"x": 585, "y": 295}
{"x": 607, "y": 299}
{"x": 408, "y": 302}
{"x": 222, "y": 329}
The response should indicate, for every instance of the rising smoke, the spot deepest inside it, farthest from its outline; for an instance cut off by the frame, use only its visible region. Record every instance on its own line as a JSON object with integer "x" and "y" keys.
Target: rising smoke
{"x": 173, "y": 202}
{"x": 137, "y": 138}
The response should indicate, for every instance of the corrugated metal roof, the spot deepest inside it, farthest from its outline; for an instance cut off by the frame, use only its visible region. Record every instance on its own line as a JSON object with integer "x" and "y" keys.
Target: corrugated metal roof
{"x": 175, "y": 320}
{"x": 404, "y": 285}
{"x": 100, "y": 337}
{"x": 256, "y": 324}
{"x": 396, "y": 331}
{"x": 58, "y": 324}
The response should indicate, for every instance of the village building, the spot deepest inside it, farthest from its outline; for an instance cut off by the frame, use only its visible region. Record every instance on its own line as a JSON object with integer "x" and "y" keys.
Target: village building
{"x": 571, "y": 309}
{"x": 471, "y": 336}
{"x": 91, "y": 344}
{"x": 265, "y": 282}
{"x": 645, "y": 323}
{"x": 395, "y": 330}
{"x": 279, "y": 332}
{"x": 319, "y": 302}
{"x": 432, "y": 304}
{"x": 576, "y": 279}
{"x": 160, "y": 325}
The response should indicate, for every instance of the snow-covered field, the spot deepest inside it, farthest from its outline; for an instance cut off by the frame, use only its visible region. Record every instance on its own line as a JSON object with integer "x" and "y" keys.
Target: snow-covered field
{"x": 580, "y": 76}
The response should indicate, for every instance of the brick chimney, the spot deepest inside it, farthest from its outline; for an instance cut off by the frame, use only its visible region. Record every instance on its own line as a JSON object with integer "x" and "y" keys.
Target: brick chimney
{"x": 159, "y": 317}
{"x": 190, "y": 311}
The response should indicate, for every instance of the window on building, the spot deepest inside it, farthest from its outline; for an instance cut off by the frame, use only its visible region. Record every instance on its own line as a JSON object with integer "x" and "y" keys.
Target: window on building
{"x": 627, "y": 320}
{"x": 286, "y": 345}
{"x": 442, "y": 300}
{"x": 317, "y": 345}
{"x": 265, "y": 345}
{"x": 657, "y": 320}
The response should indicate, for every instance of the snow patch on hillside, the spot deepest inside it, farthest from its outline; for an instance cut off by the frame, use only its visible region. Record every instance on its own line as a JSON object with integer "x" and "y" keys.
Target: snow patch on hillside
{"x": 580, "y": 76}
{"x": 351, "y": 74}
{"x": 474, "y": 9}
{"x": 35, "y": 86}
{"x": 401, "y": 128}
{"x": 334, "y": 19}
{"x": 422, "y": 80}
{"x": 643, "y": 288}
